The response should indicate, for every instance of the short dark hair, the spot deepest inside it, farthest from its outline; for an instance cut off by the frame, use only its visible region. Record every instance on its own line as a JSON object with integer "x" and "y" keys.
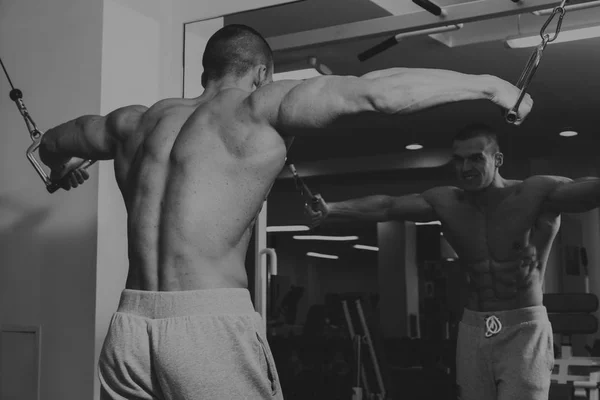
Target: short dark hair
{"x": 234, "y": 49}
{"x": 478, "y": 130}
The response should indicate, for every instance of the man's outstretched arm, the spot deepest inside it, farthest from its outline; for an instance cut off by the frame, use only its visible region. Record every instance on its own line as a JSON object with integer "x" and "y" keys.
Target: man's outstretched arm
{"x": 302, "y": 107}
{"x": 376, "y": 208}
{"x": 90, "y": 137}
{"x": 572, "y": 196}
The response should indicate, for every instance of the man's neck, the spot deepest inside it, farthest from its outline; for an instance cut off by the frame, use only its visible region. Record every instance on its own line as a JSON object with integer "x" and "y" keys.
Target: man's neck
{"x": 216, "y": 86}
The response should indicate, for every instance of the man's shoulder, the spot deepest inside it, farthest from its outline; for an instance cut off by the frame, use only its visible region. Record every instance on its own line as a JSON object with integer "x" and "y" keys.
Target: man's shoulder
{"x": 269, "y": 97}
{"x": 442, "y": 194}
{"x": 544, "y": 182}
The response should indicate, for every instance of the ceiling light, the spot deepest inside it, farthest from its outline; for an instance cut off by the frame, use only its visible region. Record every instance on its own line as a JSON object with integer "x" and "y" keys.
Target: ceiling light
{"x": 327, "y": 238}
{"x": 364, "y": 247}
{"x": 320, "y": 67}
{"x": 564, "y": 36}
{"x": 414, "y": 146}
{"x": 316, "y": 69}
{"x": 299, "y": 74}
{"x": 319, "y": 255}
{"x": 288, "y": 228}
{"x": 568, "y": 133}
{"x": 428, "y": 223}
{"x": 573, "y": 7}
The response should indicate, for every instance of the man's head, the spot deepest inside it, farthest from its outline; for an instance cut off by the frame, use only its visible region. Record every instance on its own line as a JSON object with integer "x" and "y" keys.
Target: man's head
{"x": 237, "y": 51}
{"x": 476, "y": 156}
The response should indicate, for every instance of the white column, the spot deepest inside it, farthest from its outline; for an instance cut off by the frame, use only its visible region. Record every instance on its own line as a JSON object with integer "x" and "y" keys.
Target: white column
{"x": 260, "y": 260}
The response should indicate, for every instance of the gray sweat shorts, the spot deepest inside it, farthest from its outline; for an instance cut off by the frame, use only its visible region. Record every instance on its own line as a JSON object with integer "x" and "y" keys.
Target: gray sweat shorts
{"x": 504, "y": 355}
{"x": 200, "y": 344}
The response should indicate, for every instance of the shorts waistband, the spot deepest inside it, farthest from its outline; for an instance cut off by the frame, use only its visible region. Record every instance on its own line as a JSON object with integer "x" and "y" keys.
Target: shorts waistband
{"x": 155, "y": 305}
{"x": 506, "y": 317}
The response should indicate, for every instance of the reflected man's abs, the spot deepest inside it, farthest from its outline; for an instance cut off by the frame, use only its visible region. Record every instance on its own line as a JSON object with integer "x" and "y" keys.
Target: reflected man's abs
{"x": 503, "y": 252}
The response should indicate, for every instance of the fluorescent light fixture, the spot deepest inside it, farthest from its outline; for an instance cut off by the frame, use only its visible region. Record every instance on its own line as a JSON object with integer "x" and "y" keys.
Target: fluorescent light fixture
{"x": 315, "y": 69}
{"x": 319, "y": 255}
{"x": 568, "y": 133}
{"x": 414, "y": 146}
{"x": 288, "y": 228}
{"x": 320, "y": 67}
{"x": 365, "y": 247}
{"x": 299, "y": 74}
{"x": 573, "y": 7}
{"x": 564, "y": 36}
{"x": 327, "y": 238}
{"x": 429, "y": 223}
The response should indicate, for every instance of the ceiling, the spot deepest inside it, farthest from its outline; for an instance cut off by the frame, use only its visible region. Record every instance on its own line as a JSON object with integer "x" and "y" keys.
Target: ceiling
{"x": 565, "y": 88}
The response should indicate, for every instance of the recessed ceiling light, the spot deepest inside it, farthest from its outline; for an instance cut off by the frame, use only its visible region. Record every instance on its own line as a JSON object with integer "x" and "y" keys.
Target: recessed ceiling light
{"x": 568, "y": 133}
{"x": 413, "y": 146}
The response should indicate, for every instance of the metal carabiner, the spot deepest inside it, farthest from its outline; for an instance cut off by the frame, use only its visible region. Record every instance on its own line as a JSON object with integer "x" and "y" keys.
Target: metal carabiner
{"x": 560, "y": 9}
{"x": 17, "y": 96}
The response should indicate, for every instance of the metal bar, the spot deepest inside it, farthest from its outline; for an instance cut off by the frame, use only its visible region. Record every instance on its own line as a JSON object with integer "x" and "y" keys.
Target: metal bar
{"x": 374, "y": 359}
{"x": 260, "y": 262}
{"x": 430, "y": 31}
{"x": 353, "y": 336}
{"x": 459, "y": 13}
{"x": 390, "y": 42}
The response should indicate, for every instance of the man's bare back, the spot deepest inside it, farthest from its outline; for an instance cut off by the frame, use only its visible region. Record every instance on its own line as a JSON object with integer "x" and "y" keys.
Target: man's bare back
{"x": 492, "y": 240}
{"x": 193, "y": 178}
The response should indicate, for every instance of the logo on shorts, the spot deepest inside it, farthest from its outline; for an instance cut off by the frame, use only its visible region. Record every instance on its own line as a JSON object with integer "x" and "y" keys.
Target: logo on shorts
{"x": 493, "y": 326}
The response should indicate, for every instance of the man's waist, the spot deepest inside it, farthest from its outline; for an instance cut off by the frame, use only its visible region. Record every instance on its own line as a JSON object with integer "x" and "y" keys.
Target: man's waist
{"x": 189, "y": 276}
{"x": 169, "y": 304}
{"x": 506, "y": 318}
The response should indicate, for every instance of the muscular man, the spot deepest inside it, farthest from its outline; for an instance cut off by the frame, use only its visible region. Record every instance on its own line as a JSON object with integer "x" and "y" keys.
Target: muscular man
{"x": 193, "y": 174}
{"x": 502, "y": 231}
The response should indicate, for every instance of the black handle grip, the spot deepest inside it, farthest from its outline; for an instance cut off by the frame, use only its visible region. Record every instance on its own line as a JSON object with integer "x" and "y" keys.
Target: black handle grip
{"x": 53, "y": 187}
{"x": 314, "y": 203}
{"x": 379, "y": 48}
{"x": 511, "y": 117}
{"x": 429, "y": 6}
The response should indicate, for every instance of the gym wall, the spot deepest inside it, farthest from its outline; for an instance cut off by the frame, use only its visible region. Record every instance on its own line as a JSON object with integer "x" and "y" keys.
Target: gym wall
{"x": 52, "y": 51}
